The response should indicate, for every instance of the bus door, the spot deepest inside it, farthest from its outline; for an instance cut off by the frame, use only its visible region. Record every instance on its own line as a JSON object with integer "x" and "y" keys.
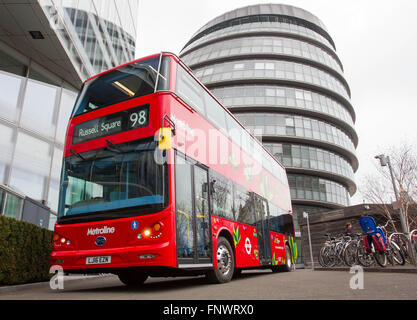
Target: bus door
{"x": 262, "y": 229}
{"x": 192, "y": 214}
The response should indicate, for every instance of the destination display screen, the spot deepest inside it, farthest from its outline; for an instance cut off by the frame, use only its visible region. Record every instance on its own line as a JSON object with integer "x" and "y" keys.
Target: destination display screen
{"x": 125, "y": 120}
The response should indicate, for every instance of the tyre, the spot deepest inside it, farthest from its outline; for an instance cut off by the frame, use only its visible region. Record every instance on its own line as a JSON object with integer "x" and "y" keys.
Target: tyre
{"x": 326, "y": 258}
{"x": 349, "y": 254}
{"x": 132, "y": 277}
{"x": 365, "y": 259}
{"x": 237, "y": 273}
{"x": 288, "y": 267}
{"x": 276, "y": 269}
{"x": 321, "y": 258}
{"x": 395, "y": 255}
{"x": 339, "y": 254}
{"x": 381, "y": 258}
{"x": 225, "y": 263}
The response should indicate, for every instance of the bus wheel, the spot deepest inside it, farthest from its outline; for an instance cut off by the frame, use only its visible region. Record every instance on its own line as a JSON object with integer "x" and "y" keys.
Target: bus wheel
{"x": 237, "y": 273}
{"x": 132, "y": 277}
{"x": 288, "y": 260}
{"x": 225, "y": 263}
{"x": 275, "y": 269}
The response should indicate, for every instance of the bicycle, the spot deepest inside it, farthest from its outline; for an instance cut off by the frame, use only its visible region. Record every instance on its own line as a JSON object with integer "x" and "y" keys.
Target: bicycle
{"x": 333, "y": 250}
{"x": 374, "y": 242}
{"x": 326, "y": 257}
{"x": 365, "y": 258}
{"x": 406, "y": 244}
{"x": 393, "y": 250}
{"x": 350, "y": 252}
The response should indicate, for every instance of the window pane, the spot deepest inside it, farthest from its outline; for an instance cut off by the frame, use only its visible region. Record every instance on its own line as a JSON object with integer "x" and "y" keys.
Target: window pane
{"x": 38, "y": 108}
{"x": 6, "y": 145}
{"x": 184, "y": 208}
{"x": 66, "y": 106}
{"x": 10, "y": 89}
{"x": 53, "y": 194}
{"x": 31, "y": 166}
{"x": 244, "y": 207}
{"x": 215, "y": 112}
{"x": 222, "y": 196}
{"x": 14, "y": 206}
{"x": 201, "y": 212}
{"x": 189, "y": 90}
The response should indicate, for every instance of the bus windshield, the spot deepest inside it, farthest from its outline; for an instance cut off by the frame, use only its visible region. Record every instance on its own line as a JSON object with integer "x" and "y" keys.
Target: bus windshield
{"x": 115, "y": 177}
{"x": 130, "y": 81}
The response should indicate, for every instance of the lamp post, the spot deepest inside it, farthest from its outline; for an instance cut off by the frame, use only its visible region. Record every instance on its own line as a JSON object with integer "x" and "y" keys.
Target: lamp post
{"x": 385, "y": 161}
{"x": 305, "y": 215}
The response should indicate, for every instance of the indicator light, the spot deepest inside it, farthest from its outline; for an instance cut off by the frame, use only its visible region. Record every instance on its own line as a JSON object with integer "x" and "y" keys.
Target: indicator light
{"x": 157, "y": 227}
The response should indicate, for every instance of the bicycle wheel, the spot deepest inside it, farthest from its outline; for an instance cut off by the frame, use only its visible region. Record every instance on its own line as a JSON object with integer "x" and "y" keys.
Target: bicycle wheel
{"x": 404, "y": 247}
{"x": 349, "y": 254}
{"x": 395, "y": 255}
{"x": 381, "y": 258}
{"x": 339, "y": 254}
{"x": 365, "y": 259}
{"x": 322, "y": 257}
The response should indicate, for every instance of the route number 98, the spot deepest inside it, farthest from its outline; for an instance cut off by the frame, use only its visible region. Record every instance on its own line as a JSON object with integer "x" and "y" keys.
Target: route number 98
{"x": 138, "y": 119}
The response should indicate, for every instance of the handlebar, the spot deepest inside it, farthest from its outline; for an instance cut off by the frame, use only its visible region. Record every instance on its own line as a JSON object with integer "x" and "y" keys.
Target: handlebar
{"x": 386, "y": 224}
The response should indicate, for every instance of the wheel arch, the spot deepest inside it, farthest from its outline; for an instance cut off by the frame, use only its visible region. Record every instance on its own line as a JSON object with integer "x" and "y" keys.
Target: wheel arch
{"x": 225, "y": 233}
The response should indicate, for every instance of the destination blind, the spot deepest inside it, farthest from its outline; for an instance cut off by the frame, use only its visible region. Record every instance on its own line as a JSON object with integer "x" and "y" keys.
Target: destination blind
{"x": 125, "y": 120}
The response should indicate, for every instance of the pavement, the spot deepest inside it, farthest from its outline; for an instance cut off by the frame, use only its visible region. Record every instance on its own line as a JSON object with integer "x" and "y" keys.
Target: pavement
{"x": 302, "y": 284}
{"x": 391, "y": 269}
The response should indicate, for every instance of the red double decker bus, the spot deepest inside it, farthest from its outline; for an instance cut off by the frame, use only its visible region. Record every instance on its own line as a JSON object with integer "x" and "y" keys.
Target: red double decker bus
{"x": 159, "y": 179}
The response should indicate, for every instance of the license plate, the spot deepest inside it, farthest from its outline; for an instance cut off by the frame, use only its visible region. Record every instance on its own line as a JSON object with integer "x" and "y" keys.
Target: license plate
{"x": 98, "y": 260}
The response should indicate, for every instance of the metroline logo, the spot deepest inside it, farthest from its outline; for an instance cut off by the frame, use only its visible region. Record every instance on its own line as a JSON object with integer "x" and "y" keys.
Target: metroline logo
{"x": 104, "y": 230}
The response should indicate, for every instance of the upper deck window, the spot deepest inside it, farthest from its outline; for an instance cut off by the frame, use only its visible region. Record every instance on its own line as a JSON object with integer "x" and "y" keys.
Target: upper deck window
{"x": 130, "y": 81}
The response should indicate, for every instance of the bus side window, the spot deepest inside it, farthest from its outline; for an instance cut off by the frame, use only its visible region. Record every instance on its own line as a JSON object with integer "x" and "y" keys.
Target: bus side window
{"x": 184, "y": 207}
{"x": 190, "y": 91}
{"x": 221, "y": 196}
{"x": 273, "y": 217}
{"x": 244, "y": 206}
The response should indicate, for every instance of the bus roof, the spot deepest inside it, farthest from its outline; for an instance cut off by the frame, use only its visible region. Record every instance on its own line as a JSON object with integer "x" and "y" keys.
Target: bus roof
{"x": 173, "y": 55}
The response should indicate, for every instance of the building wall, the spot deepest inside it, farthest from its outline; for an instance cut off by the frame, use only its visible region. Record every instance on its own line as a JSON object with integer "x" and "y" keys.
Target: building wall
{"x": 34, "y": 111}
{"x": 276, "y": 68}
{"x": 35, "y": 104}
{"x": 334, "y": 223}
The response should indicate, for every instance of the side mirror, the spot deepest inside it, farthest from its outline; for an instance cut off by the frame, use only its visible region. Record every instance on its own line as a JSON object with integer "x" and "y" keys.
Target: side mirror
{"x": 164, "y": 139}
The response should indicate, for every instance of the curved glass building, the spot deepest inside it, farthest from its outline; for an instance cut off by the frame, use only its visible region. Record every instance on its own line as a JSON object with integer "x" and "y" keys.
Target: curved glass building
{"x": 276, "y": 68}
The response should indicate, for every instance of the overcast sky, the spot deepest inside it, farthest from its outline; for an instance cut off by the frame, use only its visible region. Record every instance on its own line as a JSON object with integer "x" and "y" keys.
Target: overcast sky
{"x": 376, "y": 41}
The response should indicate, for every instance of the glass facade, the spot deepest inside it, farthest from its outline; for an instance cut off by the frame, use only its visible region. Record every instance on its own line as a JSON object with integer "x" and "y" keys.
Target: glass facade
{"x": 253, "y": 96}
{"x": 269, "y": 70}
{"x": 33, "y": 139}
{"x": 276, "y": 68}
{"x": 35, "y": 104}
{"x": 97, "y": 34}
{"x": 264, "y": 45}
{"x": 296, "y": 126}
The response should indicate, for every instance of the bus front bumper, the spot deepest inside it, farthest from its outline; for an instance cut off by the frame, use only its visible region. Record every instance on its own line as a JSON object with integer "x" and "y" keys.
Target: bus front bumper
{"x": 160, "y": 255}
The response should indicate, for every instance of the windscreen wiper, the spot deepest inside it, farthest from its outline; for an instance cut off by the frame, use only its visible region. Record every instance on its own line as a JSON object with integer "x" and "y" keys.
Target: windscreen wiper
{"x": 113, "y": 147}
{"x": 77, "y": 154}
